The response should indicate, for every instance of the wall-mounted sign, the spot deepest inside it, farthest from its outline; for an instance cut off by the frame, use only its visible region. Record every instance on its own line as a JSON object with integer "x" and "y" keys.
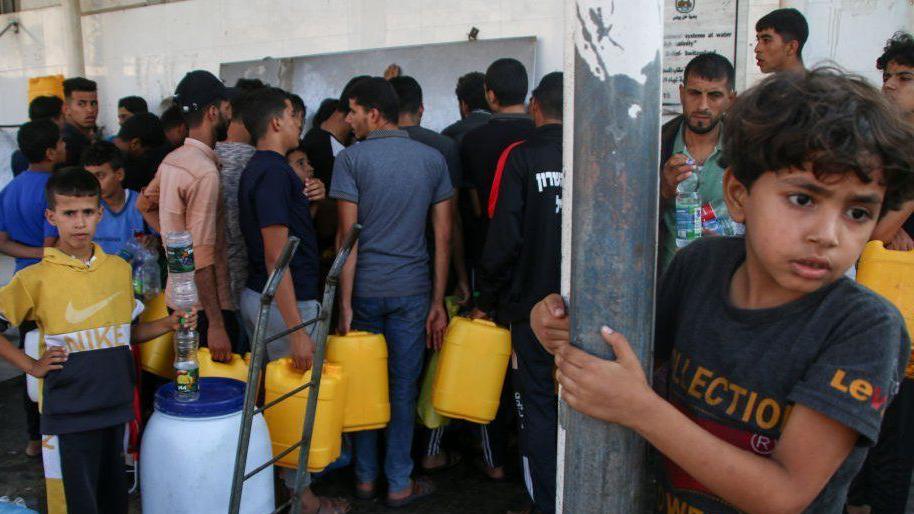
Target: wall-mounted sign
{"x": 693, "y": 27}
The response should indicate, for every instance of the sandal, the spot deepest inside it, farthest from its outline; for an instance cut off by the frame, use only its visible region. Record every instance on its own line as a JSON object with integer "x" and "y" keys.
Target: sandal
{"x": 451, "y": 459}
{"x": 421, "y": 488}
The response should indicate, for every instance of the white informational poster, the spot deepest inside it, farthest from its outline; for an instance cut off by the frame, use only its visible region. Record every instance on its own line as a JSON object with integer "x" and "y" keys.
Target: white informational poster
{"x": 693, "y": 27}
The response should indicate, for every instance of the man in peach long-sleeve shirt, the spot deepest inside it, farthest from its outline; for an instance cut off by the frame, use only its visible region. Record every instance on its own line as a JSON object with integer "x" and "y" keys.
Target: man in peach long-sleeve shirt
{"x": 189, "y": 199}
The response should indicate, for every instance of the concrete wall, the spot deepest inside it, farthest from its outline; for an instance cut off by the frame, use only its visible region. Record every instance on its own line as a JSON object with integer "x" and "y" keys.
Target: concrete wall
{"x": 145, "y": 50}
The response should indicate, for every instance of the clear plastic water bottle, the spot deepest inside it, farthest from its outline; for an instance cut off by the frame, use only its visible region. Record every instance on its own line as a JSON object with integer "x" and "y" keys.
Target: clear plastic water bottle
{"x": 688, "y": 209}
{"x": 179, "y": 252}
{"x": 187, "y": 367}
{"x": 129, "y": 250}
{"x": 147, "y": 279}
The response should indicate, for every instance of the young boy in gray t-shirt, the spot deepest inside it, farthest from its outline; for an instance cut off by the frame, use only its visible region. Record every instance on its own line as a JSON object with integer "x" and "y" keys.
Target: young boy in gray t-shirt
{"x": 780, "y": 368}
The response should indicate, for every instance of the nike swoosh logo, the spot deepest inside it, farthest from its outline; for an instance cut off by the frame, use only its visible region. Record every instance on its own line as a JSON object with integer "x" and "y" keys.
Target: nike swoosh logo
{"x": 77, "y": 316}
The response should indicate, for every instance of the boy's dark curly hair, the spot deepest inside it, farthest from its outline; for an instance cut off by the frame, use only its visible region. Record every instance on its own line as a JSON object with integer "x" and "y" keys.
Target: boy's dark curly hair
{"x": 899, "y": 49}
{"x": 830, "y": 119}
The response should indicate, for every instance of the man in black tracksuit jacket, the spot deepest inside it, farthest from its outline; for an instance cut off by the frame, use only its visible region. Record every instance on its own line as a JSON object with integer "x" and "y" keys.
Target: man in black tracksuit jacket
{"x": 521, "y": 262}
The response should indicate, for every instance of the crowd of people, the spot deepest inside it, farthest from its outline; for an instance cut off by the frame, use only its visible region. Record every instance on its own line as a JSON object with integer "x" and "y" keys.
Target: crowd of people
{"x": 772, "y": 368}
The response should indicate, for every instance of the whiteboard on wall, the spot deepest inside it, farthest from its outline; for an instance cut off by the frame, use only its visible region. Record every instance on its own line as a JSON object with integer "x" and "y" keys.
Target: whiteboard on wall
{"x": 436, "y": 67}
{"x": 693, "y": 27}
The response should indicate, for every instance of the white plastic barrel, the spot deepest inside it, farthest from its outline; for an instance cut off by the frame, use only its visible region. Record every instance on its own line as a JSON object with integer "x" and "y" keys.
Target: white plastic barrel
{"x": 31, "y": 349}
{"x": 187, "y": 454}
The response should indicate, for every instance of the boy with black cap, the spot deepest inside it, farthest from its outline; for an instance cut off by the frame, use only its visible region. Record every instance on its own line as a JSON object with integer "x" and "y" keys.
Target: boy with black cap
{"x": 142, "y": 141}
{"x": 186, "y": 192}
{"x": 521, "y": 263}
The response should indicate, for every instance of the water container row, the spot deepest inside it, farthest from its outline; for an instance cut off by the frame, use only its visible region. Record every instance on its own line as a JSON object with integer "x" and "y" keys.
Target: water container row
{"x": 354, "y": 385}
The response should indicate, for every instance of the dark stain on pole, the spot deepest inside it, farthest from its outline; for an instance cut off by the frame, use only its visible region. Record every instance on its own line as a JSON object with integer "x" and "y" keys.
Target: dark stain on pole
{"x": 613, "y": 251}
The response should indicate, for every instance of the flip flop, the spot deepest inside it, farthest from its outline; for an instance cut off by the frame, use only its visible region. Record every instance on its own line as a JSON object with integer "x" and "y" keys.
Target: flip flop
{"x": 421, "y": 488}
{"x": 451, "y": 459}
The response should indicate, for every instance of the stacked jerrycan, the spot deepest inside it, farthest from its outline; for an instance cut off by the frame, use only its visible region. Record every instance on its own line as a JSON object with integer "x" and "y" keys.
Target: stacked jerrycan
{"x": 471, "y": 370}
{"x": 286, "y": 418}
{"x": 353, "y": 396}
{"x": 891, "y": 274}
{"x": 363, "y": 358}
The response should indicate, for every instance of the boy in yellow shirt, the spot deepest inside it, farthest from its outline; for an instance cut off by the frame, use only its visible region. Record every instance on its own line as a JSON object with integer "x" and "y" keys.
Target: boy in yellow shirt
{"x": 82, "y": 301}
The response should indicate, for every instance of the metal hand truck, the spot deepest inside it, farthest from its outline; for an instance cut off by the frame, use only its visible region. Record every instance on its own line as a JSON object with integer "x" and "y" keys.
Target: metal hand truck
{"x": 258, "y": 348}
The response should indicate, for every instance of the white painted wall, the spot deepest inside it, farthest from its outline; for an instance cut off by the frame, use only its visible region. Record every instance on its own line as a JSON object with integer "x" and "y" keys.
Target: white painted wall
{"x": 146, "y": 50}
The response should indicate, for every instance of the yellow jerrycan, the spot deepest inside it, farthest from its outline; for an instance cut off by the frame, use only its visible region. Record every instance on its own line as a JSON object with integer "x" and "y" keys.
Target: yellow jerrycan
{"x": 157, "y": 356}
{"x": 471, "y": 370}
{"x": 891, "y": 274}
{"x": 286, "y": 418}
{"x": 236, "y": 368}
{"x": 48, "y": 85}
{"x": 363, "y": 358}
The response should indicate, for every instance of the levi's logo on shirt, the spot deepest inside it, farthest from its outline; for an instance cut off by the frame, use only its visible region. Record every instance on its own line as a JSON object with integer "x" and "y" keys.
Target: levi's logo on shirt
{"x": 859, "y": 389}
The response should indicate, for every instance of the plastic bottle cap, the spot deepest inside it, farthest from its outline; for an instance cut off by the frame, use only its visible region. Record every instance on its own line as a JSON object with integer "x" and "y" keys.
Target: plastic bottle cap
{"x": 218, "y": 397}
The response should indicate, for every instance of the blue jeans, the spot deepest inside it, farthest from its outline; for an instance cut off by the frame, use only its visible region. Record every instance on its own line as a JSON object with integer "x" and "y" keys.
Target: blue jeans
{"x": 402, "y": 321}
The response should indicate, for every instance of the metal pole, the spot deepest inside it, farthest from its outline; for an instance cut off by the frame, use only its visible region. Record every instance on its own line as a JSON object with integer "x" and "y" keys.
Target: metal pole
{"x": 612, "y": 219}
{"x": 73, "y": 37}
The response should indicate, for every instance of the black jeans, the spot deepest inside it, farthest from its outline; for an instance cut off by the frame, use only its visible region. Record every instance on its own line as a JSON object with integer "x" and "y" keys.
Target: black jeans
{"x": 92, "y": 465}
{"x": 537, "y": 415}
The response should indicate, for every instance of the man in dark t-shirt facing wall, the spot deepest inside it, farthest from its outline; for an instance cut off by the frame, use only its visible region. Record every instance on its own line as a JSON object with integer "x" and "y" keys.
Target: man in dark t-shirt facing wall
{"x": 506, "y": 90}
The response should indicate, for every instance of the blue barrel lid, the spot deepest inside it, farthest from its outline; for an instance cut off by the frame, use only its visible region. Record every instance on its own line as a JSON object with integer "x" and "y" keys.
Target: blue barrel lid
{"x": 218, "y": 397}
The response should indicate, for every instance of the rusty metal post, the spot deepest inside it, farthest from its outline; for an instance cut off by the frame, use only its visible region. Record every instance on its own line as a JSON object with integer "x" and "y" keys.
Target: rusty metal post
{"x": 612, "y": 146}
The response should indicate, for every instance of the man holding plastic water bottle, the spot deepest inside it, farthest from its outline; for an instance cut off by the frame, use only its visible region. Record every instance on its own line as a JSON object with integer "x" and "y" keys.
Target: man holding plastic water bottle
{"x": 691, "y": 177}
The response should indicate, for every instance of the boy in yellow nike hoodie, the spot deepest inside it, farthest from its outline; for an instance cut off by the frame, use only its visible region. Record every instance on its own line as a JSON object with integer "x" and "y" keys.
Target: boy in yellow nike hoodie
{"x": 82, "y": 301}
